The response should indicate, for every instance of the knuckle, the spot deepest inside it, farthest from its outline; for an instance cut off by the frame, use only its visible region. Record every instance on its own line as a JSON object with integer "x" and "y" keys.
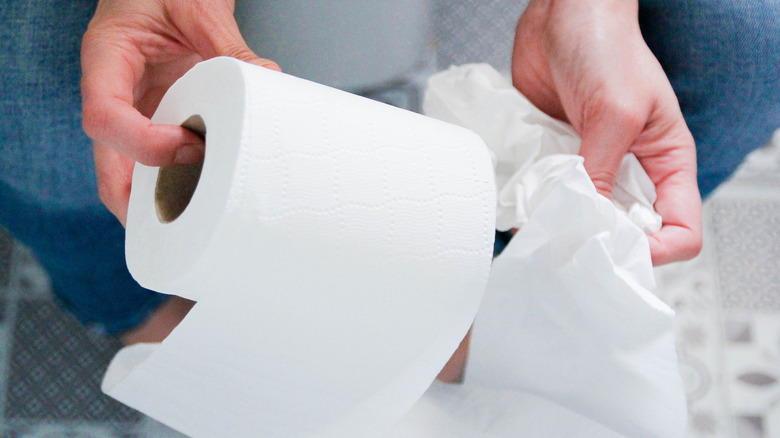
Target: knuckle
{"x": 203, "y": 9}
{"x": 608, "y": 104}
{"x": 603, "y": 180}
{"x": 695, "y": 246}
{"x": 238, "y": 51}
{"x": 604, "y": 186}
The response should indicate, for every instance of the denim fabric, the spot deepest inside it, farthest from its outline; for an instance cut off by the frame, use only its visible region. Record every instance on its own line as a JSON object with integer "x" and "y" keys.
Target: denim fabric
{"x": 723, "y": 60}
{"x": 48, "y": 196}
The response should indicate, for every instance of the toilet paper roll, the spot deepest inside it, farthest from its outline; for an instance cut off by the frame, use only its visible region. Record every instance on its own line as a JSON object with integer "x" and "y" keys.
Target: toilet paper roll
{"x": 338, "y": 249}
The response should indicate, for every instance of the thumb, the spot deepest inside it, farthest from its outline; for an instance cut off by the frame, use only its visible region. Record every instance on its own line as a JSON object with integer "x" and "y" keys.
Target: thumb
{"x": 213, "y": 30}
{"x": 607, "y": 134}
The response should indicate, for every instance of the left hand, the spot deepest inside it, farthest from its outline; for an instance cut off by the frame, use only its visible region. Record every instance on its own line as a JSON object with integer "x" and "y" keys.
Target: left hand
{"x": 586, "y": 62}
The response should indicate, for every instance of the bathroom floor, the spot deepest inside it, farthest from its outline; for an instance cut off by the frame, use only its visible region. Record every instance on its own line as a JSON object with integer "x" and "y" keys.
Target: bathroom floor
{"x": 728, "y": 307}
{"x": 727, "y": 300}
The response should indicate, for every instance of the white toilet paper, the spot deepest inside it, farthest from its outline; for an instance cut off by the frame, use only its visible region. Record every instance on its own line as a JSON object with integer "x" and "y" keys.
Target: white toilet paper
{"x": 337, "y": 247}
{"x": 569, "y": 341}
{"x": 519, "y": 135}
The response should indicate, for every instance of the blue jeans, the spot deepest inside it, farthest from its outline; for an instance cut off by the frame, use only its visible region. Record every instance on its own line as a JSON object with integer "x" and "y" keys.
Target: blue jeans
{"x": 721, "y": 57}
{"x": 48, "y": 195}
{"x": 723, "y": 60}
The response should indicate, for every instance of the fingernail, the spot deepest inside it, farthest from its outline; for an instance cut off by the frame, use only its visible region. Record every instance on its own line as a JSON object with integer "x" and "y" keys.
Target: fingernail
{"x": 273, "y": 66}
{"x": 269, "y": 64}
{"x": 188, "y": 154}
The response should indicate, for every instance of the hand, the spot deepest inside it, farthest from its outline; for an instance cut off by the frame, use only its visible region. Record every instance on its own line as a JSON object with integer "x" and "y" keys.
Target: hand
{"x": 586, "y": 62}
{"x": 131, "y": 53}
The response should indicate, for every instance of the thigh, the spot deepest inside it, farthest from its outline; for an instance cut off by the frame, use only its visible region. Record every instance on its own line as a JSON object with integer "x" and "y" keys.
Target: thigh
{"x": 48, "y": 196}
{"x": 44, "y": 151}
{"x": 723, "y": 61}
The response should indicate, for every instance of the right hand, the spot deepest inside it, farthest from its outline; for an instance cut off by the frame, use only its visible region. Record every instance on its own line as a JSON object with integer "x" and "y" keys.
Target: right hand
{"x": 132, "y": 52}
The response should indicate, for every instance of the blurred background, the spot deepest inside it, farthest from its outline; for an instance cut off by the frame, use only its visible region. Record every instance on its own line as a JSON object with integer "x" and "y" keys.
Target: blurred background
{"x": 727, "y": 300}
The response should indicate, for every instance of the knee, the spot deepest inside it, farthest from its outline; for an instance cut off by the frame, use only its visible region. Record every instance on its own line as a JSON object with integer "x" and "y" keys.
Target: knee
{"x": 722, "y": 60}
{"x": 711, "y": 36}
{"x": 50, "y": 226}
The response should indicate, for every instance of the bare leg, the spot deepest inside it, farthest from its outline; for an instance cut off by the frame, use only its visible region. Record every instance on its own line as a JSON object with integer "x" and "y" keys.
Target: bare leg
{"x": 160, "y": 323}
{"x": 455, "y": 368}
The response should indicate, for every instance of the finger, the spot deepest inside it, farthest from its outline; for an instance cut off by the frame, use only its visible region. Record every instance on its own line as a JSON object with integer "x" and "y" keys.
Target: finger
{"x": 607, "y": 130}
{"x": 674, "y": 243}
{"x": 679, "y": 204}
{"x": 110, "y": 69}
{"x": 213, "y": 31}
{"x": 114, "y": 178}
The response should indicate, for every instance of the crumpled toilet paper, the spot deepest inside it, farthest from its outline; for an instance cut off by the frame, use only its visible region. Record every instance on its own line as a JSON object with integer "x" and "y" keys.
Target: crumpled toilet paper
{"x": 337, "y": 249}
{"x": 569, "y": 341}
{"x": 519, "y": 136}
